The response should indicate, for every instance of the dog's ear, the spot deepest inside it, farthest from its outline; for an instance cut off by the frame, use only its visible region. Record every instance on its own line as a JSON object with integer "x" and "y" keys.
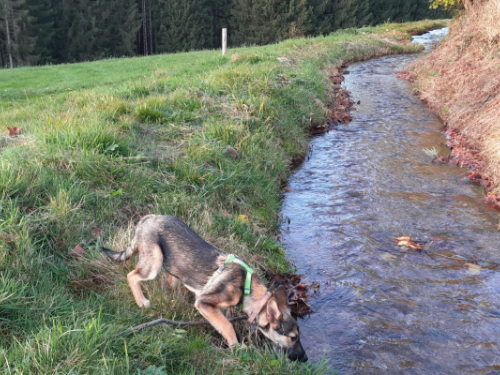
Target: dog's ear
{"x": 273, "y": 314}
{"x": 281, "y": 297}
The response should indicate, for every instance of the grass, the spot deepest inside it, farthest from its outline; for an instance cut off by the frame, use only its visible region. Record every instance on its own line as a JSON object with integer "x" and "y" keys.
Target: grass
{"x": 107, "y": 142}
{"x": 460, "y": 82}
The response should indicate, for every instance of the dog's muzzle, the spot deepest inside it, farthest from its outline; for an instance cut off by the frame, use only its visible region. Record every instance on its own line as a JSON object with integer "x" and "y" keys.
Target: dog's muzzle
{"x": 296, "y": 352}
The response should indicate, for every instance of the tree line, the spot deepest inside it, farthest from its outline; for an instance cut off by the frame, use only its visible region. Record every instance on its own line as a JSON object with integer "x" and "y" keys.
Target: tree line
{"x": 36, "y": 32}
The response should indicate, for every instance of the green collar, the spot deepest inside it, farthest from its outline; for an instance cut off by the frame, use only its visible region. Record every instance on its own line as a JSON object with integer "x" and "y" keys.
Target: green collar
{"x": 248, "y": 281}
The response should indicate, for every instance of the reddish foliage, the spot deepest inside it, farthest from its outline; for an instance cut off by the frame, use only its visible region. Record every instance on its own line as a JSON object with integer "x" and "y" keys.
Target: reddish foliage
{"x": 77, "y": 251}
{"x": 14, "y": 131}
{"x": 493, "y": 200}
{"x": 406, "y": 76}
{"x": 340, "y": 106}
{"x": 297, "y": 293}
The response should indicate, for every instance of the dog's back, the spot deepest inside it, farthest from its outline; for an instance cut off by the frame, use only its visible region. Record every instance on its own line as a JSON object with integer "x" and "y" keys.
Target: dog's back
{"x": 186, "y": 255}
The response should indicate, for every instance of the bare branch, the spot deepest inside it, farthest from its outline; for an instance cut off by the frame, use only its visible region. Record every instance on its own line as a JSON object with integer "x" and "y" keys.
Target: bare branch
{"x": 175, "y": 323}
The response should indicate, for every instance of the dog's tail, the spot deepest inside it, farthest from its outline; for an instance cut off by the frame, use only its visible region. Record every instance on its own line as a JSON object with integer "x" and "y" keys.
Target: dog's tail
{"x": 123, "y": 255}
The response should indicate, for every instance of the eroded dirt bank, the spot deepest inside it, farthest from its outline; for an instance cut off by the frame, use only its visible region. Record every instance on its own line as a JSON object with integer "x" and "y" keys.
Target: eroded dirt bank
{"x": 460, "y": 81}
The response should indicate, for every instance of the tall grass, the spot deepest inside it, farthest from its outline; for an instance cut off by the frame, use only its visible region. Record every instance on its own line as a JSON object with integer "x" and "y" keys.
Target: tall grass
{"x": 104, "y": 143}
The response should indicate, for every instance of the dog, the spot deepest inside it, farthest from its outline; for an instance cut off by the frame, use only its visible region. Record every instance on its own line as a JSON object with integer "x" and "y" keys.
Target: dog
{"x": 218, "y": 280}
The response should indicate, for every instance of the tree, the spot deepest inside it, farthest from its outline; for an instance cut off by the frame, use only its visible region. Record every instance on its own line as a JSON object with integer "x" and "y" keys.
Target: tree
{"x": 345, "y": 14}
{"x": 450, "y": 5}
{"x": 364, "y": 16}
{"x": 82, "y": 32}
{"x": 299, "y": 18}
{"x": 42, "y": 30}
{"x": 220, "y": 14}
{"x": 14, "y": 21}
{"x": 184, "y": 25}
{"x": 382, "y": 10}
{"x": 262, "y": 22}
{"x": 118, "y": 22}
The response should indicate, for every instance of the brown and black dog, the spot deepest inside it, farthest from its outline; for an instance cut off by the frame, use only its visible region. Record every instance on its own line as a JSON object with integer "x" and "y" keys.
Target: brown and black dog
{"x": 212, "y": 275}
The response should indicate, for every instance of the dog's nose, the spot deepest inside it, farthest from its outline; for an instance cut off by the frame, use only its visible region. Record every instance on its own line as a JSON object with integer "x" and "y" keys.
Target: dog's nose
{"x": 301, "y": 357}
{"x": 297, "y": 353}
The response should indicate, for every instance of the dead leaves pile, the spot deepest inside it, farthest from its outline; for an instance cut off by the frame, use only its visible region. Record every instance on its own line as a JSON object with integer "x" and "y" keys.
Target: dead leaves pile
{"x": 297, "y": 293}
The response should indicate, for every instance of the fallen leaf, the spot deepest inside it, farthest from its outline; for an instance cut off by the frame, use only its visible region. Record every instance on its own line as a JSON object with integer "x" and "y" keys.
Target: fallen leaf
{"x": 14, "y": 131}
{"x": 243, "y": 218}
{"x": 404, "y": 238}
{"x": 473, "y": 269}
{"x": 406, "y": 241}
{"x": 77, "y": 251}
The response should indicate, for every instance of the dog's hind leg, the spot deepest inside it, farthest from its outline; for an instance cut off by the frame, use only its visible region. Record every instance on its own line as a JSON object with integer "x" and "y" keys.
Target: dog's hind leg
{"x": 148, "y": 267}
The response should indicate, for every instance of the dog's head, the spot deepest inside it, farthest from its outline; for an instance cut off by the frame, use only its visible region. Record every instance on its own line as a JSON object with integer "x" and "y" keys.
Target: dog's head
{"x": 278, "y": 325}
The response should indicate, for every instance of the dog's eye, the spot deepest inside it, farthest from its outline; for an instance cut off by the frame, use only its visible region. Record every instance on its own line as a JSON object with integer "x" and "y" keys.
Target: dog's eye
{"x": 281, "y": 330}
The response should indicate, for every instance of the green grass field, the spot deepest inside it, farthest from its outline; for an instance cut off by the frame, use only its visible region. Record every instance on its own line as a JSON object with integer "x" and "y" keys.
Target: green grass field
{"x": 104, "y": 143}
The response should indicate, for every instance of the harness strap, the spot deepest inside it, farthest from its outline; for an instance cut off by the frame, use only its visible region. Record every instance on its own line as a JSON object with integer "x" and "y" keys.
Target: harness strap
{"x": 248, "y": 280}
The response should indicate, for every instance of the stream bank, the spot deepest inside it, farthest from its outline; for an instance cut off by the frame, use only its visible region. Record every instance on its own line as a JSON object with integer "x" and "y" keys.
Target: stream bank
{"x": 383, "y": 308}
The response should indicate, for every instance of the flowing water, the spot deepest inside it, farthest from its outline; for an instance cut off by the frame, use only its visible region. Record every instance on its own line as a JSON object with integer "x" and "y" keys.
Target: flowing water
{"x": 381, "y": 308}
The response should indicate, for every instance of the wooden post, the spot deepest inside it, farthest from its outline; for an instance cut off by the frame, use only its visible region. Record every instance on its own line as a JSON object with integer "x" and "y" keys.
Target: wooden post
{"x": 224, "y": 42}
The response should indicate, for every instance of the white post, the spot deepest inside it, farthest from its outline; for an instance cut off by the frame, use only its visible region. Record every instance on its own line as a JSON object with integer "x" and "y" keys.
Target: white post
{"x": 224, "y": 42}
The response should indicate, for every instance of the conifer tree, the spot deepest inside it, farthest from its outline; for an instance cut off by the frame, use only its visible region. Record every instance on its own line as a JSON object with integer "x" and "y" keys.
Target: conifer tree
{"x": 382, "y": 10}
{"x": 259, "y": 21}
{"x": 299, "y": 18}
{"x": 43, "y": 30}
{"x": 185, "y": 25}
{"x": 323, "y": 16}
{"x": 345, "y": 14}
{"x": 220, "y": 14}
{"x": 82, "y": 32}
{"x": 364, "y": 16}
{"x": 118, "y": 23}
{"x": 14, "y": 21}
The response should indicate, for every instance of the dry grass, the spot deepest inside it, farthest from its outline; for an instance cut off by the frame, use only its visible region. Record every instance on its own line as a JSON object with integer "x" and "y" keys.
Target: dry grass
{"x": 461, "y": 81}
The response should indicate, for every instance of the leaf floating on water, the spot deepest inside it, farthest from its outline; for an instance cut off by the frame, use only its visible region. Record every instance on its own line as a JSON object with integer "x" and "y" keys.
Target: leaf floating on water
{"x": 408, "y": 242}
{"x": 473, "y": 269}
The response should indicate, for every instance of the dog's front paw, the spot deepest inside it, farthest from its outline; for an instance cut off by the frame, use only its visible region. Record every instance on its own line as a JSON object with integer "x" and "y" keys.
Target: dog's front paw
{"x": 146, "y": 303}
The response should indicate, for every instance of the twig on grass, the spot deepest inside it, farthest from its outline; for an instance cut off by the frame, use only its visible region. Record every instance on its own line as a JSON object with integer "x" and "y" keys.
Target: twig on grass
{"x": 175, "y": 323}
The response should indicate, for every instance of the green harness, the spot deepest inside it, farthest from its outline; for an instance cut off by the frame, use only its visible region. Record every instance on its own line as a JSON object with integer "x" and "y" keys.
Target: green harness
{"x": 232, "y": 259}
{"x": 248, "y": 280}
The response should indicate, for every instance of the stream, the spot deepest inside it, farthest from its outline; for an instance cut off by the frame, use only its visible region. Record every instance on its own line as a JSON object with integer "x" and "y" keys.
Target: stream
{"x": 382, "y": 308}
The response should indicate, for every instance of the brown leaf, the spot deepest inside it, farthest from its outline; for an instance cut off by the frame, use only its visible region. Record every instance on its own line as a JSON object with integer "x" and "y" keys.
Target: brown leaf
{"x": 14, "y": 131}
{"x": 77, "y": 251}
{"x": 406, "y": 241}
